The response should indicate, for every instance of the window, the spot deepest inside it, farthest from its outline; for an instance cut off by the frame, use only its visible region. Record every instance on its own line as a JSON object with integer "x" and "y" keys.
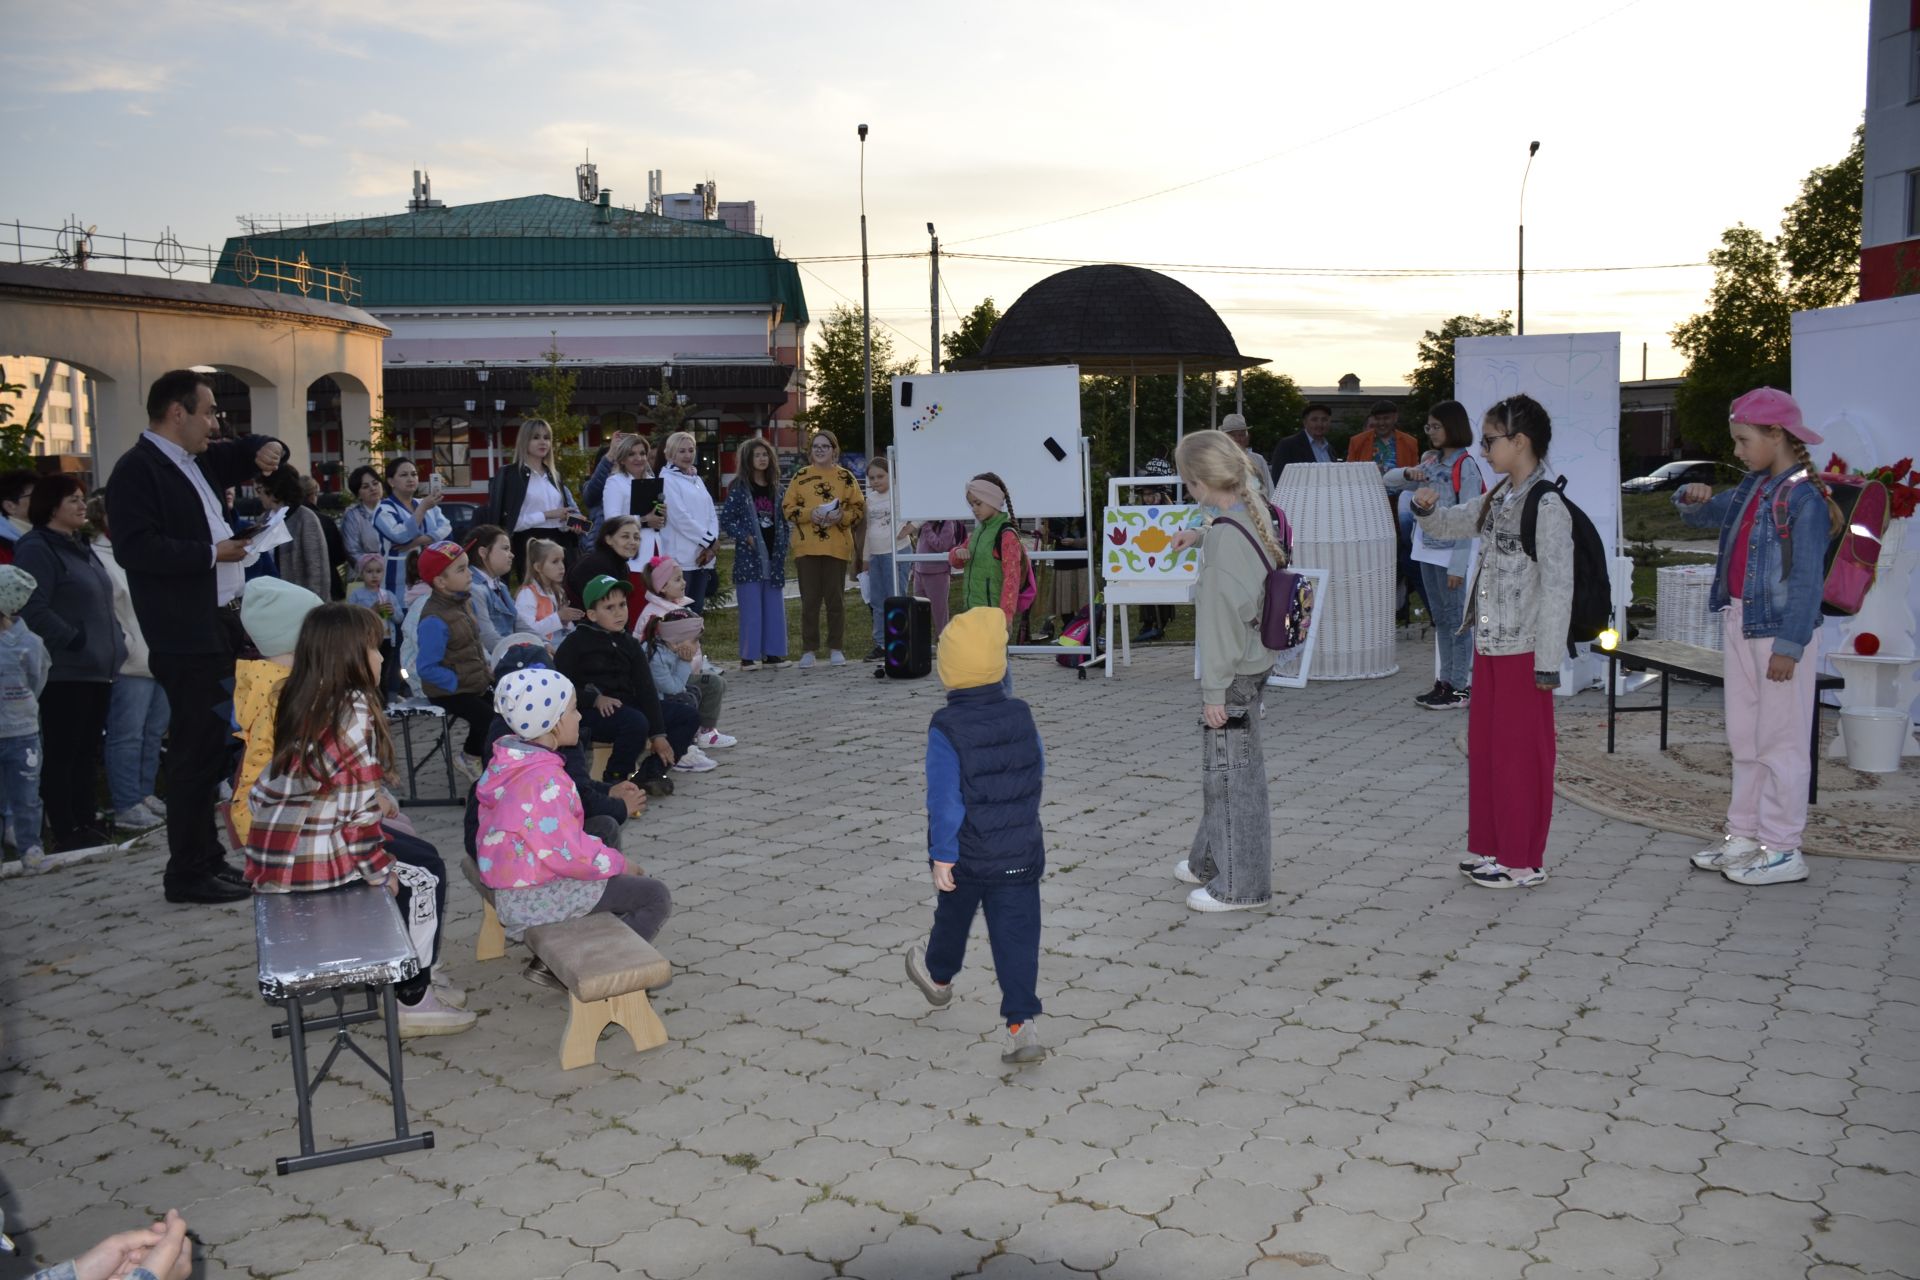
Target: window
{"x": 60, "y": 415}
{"x": 1913, "y": 66}
{"x": 450, "y": 452}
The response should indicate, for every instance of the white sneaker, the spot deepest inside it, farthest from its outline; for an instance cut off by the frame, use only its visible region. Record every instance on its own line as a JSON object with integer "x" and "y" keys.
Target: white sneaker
{"x": 432, "y": 1018}
{"x": 835, "y": 658}
{"x": 714, "y": 738}
{"x": 1202, "y": 900}
{"x": 1495, "y": 876}
{"x": 1769, "y": 866}
{"x": 34, "y": 859}
{"x": 806, "y": 660}
{"x": 469, "y": 767}
{"x": 1476, "y": 862}
{"x": 695, "y": 761}
{"x": 1184, "y": 873}
{"x": 136, "y": 817}
{"x": 1725, "y": 852}
{"x": 451, "y": 996}
{"x": 155, "y": 806}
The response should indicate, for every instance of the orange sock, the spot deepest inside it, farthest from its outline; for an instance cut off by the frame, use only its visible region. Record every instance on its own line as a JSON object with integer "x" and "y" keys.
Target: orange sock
{"x": 1013, "y": 1028}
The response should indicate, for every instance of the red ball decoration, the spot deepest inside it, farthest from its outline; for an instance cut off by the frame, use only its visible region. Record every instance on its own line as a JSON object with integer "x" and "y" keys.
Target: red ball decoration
{"x": 1866, "y": 644}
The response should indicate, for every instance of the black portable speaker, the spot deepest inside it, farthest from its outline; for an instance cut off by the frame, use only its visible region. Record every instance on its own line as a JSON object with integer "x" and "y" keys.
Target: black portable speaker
{"x": 907, "y": 627}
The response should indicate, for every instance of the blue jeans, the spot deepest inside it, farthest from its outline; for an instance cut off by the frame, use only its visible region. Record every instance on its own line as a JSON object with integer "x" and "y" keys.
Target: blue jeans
{"x": 628, "y": 732}
{"x": 881, "y": 583}
{"x": 136, "y": 722}
{"x": 700, "y": 584}
{"x": 1013, "y": 933}
{"x": 763, "y": 620}
{"x": 1449, "y": 606}
{"x": 20, "y": 781}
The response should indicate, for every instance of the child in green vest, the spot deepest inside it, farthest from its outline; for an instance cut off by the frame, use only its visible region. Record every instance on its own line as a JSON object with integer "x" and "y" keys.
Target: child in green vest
{"x": 993, "y": 565}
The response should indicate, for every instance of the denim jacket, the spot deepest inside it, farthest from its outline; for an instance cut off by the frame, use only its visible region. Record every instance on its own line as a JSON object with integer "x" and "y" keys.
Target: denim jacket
{"x": 1780, "y": 600}
{"x": 1438, "y": 476}
{"x": 1517, "y": 604}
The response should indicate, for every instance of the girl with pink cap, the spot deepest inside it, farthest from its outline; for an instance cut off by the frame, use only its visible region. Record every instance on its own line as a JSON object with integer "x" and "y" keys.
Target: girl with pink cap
{"x": 1768, "y": 584}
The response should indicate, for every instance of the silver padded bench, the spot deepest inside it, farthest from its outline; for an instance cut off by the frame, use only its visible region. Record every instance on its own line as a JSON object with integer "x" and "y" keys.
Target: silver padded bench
{"x": 326, "y": 943}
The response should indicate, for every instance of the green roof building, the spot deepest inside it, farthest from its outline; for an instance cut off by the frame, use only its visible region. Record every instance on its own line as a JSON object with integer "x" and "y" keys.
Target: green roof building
{"x": 638, "y": 303}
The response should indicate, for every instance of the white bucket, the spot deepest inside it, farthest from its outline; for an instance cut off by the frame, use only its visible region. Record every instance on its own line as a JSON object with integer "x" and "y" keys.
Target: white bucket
{"x": 1875, "y": 736}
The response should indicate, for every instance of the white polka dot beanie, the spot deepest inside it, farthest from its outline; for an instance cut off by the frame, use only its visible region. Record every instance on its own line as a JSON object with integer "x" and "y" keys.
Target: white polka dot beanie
{"x": 532, "y": 700}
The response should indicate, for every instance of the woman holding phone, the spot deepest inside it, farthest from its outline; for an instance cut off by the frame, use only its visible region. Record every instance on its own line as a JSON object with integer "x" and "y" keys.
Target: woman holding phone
{"x": 633, "y": 490}
{"x": 407, "y": 519}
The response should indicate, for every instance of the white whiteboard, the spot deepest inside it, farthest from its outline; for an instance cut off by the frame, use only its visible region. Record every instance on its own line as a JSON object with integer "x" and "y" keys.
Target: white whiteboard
{"x": 1576, "y": 378}
{"x": 997, "y": 420}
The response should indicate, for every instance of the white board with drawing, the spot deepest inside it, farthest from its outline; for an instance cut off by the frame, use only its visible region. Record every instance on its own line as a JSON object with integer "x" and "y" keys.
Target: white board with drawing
{"x": 1021, "y": 424}
{"x": 1576, "y": 378}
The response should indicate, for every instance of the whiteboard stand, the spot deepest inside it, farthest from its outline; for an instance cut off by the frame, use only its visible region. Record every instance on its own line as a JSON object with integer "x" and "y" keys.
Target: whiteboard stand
{"x": 1089, "y": 654}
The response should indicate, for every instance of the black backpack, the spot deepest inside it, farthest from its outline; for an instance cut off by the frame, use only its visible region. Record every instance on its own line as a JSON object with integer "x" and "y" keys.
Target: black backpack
{"x": 1592, "y": 576}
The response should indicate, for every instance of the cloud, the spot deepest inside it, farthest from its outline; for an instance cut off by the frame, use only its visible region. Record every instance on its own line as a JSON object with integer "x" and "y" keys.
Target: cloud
{"x": 92, "y": 73}
{"x": 381, "y": 122}
{"x": 139, "y": 109}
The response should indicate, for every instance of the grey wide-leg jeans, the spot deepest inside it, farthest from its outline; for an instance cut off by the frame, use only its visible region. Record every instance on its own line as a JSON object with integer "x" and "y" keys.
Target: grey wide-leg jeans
{"x": 1232, "y": 851}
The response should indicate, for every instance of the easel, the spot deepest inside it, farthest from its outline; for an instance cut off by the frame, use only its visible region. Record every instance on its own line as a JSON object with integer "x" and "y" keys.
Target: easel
{"x": 1119, "y": 596}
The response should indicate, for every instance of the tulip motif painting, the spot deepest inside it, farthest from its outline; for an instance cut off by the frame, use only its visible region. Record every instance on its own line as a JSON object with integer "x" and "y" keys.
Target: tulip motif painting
{"x": 1139, "y": 539}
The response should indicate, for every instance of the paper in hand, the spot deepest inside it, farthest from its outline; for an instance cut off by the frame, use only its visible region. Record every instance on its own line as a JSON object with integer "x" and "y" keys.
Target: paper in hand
{"x": 271, "y": 533}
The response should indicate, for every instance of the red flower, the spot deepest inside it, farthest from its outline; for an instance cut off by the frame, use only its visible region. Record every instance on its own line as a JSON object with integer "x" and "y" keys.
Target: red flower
{"x": 1837, "y": 464}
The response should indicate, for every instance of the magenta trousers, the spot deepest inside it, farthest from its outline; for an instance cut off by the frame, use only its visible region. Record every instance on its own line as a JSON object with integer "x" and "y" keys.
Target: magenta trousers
{"x": 1768, "y": 728}
{"x": 1510, "y": 755}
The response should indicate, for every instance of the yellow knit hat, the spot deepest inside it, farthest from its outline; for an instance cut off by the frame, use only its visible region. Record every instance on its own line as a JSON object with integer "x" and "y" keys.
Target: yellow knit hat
{"x": 973, "y": 649}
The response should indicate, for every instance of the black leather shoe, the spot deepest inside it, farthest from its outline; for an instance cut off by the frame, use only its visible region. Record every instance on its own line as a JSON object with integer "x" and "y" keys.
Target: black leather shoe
{"x": 208, "y": 889}
{"x": 231, "y": 874}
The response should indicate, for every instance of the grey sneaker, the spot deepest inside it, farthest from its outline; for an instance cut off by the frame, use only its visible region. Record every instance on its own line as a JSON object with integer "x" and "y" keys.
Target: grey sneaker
{"x": 1725, "y": 852}
{"x": 1024, "y": 1047}
{"x": 938, "y": 995}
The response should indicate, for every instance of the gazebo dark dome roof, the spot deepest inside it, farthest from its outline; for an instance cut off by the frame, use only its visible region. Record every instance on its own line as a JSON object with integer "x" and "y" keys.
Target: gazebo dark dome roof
{"x": 1112, "y": 319}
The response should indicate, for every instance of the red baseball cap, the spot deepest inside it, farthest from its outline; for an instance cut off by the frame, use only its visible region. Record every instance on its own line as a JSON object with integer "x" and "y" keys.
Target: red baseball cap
{"x": 438, "y": 558}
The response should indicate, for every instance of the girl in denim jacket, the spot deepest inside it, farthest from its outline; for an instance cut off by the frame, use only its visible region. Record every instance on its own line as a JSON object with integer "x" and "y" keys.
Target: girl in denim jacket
{"x": 1768, "y": 584}
{"x": 1449, "y": 471}
{"x": 1519, "y": 607}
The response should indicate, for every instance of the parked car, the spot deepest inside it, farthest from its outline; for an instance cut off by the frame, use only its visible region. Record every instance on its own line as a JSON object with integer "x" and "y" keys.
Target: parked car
{"x": 1672, "y": 476}
{"x": 462, "y": 516}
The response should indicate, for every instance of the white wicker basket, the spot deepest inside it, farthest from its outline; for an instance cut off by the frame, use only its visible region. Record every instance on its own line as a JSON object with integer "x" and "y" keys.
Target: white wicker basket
{"x": 1680, "y": 606}
{"x": 1341, "y": 523}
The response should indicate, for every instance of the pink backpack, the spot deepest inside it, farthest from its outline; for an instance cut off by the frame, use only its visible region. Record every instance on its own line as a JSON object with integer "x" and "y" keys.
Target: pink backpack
{"x": 1853, "y": 553}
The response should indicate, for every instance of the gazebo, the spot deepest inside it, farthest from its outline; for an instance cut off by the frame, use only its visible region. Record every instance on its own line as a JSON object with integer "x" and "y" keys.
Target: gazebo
{"x": 1118, "y": 320}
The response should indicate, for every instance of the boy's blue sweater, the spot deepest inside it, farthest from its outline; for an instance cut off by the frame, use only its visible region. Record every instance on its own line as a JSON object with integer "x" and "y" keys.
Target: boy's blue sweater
{"x": 985, "y": 764}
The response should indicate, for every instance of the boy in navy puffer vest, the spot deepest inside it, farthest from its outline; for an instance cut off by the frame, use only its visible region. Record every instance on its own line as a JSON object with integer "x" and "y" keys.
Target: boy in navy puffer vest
{"x": 984, "y": 766}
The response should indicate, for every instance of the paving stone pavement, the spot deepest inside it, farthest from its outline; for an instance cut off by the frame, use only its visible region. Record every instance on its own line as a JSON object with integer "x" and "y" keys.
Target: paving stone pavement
{"x": 1636, "y": 1070}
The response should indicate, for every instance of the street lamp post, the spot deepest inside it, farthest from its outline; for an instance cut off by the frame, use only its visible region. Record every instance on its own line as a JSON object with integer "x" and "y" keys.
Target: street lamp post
{"x": 1520, "y": 312}
{"x": 866, "y": 301}
{"x": 493, "y": 461}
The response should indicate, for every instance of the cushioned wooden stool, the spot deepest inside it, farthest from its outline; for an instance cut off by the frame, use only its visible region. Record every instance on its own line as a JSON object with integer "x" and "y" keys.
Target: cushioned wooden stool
{"x": 608, "y": 970}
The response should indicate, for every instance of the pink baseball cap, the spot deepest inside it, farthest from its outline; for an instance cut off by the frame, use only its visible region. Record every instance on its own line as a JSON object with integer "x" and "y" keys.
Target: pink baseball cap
{"x": 1766, "y": 407}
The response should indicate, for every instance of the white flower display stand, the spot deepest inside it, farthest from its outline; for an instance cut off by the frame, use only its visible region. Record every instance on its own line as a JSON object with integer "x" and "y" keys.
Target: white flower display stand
{"x": 1341, "y": 523}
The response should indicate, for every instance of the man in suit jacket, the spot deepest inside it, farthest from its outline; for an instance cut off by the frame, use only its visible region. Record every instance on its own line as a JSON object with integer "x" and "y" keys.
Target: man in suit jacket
{"x": 1309, "y": 443}
{"x": 1383, "y": 443}
{"x": 184, "y": 574}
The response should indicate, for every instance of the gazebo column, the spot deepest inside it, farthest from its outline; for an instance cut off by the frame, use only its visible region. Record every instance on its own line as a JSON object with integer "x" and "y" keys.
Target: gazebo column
{"x": 1180, "y": 402}
{"x": 1133, "y": 417}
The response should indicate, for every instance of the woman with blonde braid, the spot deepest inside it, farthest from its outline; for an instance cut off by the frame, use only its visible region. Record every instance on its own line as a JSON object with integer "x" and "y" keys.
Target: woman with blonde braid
{"x": 1232, "y": 856}
{"x": 1768, "y": 583}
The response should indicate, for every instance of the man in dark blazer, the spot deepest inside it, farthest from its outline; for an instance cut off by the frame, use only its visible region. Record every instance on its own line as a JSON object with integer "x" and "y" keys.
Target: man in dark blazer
{"x": 184, "y": 573}
{"x": 1309, "y": 444}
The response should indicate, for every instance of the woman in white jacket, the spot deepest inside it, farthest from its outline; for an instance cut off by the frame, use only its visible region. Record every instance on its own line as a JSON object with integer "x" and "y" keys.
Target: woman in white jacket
{"x": 631, "y": 462}
{"x": 692, "y": 535}
{"x": 137, "y": 707}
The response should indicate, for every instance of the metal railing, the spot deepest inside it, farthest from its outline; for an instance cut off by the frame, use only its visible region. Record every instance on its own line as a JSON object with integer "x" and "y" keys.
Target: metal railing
{"x": 83, "y": 248}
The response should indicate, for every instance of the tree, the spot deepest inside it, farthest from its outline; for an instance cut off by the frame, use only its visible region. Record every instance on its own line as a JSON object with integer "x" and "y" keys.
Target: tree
{"x": 1820, "y": 233}
{"x": 834, "y": 399}
{"x": 972, "y": 334}
{"x": 1432, "y": 378}
{"x": 555, "y": 386}
{"x": 1744, "y": 337}
{"x": 1273, "y": 407}
{"x": 383, "y": 438}
{"x": 16, "y": 439}
{"x": 1738, "y": 343}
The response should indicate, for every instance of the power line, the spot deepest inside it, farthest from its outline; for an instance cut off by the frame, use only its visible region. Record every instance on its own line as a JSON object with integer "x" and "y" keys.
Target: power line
{"x": 1501, "y": 66}
{"x": 1349, "y": 273}
{"x": 876, "y": 319}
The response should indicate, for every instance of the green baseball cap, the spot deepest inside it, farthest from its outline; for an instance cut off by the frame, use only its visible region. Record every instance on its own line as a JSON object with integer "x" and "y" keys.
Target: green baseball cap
{"x": 596, "y": 589}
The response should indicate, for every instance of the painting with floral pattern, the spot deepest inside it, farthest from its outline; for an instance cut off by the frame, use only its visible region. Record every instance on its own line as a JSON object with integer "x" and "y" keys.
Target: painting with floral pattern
{"x": 1138, "y": 543}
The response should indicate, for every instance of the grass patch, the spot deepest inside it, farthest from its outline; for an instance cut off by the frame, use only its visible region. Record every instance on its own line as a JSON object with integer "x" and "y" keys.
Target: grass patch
{"x": 1650, "y": 517}
{"x": 741, "y": 1160}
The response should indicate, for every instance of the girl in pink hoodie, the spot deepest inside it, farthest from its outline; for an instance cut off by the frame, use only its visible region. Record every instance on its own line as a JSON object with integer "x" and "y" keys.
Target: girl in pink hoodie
{"x": 531, "y": 846}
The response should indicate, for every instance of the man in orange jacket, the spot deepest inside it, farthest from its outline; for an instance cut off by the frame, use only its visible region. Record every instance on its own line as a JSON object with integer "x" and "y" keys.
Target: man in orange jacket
{"x": 1383, "y": 443}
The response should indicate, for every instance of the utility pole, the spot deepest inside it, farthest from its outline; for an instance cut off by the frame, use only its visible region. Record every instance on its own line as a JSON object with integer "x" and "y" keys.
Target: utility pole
{"x": 1520, "y": 311}
{"x": 934, "y": 294}
{"x": 866, "y": 299}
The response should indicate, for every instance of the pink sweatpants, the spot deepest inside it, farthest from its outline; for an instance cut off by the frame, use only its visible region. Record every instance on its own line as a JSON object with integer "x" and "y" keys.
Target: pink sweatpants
{"x": 1769, "y": 726}
{"x": 1510, "y": 758}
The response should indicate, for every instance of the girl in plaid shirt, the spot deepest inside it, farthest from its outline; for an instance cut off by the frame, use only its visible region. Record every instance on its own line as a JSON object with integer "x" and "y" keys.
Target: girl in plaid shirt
{"x": 319, "y": 804}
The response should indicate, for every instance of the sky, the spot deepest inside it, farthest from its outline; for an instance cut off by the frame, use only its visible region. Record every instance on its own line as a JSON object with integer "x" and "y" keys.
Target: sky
{"x": 1332, "y": 138}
